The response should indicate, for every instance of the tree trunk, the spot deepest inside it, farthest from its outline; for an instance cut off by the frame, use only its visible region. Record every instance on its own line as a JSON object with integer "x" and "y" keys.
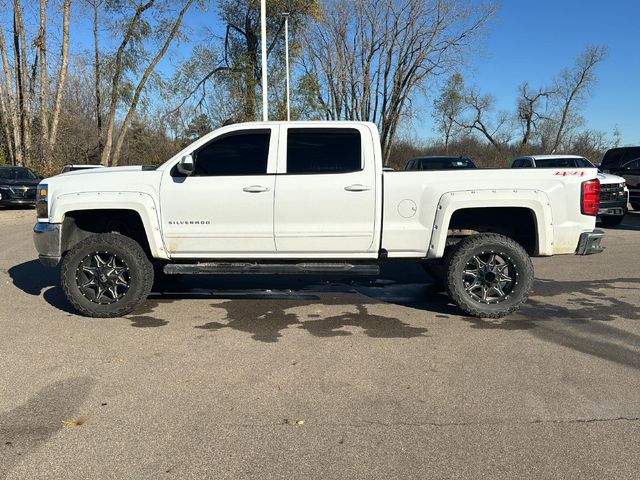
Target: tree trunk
{"x": 251, "y": 81}
{"x": 97, "y": 66}
{"x": 136, "y": 96}
{"x": 20, "y": 55}
{"x": 15, "y": 139}
{"x": 115, "y": 84}
{"x": 42, "y": 48}
{"x": 63, "y": 75}
{"x": 5, "y": 120}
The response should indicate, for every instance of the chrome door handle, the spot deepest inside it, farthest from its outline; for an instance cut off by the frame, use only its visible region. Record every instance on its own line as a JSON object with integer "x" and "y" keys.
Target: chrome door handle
{"x": 255, "y": 189}
{"x": 357, "y": 188}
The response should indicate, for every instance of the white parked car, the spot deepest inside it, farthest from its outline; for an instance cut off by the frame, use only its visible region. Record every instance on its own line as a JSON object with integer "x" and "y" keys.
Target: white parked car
{"x": 614, "y": 194}
{"x": 308, "y": 197}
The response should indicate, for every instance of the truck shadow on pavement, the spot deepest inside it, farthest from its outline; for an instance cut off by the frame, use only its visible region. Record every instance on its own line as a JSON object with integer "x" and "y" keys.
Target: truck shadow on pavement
{"x": 266, "y": 321}
{"x": 573, "y": 314}
{"x": 580, "y": 321}
{"x": 30, "y": 425}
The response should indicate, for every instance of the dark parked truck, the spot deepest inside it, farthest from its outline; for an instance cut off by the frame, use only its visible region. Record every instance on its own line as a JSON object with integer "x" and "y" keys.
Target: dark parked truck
{"x": 308, "y": 197}
{"x": 625, "y": 162}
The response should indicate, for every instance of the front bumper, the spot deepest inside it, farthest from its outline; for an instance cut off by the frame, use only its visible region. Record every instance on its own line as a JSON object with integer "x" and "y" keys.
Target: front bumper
{"x": 18, "y": 196}
{"x": 47, "y": 237}
{"x": 613, "y": 207}
{"x": 590, "y": 243}
{"x": 18, "y": 202}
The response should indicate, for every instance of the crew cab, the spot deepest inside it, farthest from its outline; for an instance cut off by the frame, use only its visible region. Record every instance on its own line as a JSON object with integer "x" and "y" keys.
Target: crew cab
{"x": 307, "y": 197}
{"x": 614, "y": 194}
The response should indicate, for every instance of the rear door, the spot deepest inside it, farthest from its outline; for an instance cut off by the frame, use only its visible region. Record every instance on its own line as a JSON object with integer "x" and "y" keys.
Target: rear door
{"x": 325, "y": 201}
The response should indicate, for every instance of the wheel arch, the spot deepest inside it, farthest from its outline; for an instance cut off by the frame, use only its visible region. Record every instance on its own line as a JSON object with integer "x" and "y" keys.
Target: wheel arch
{"x": 131, "y": 214}
{"x": 524, "y": 215}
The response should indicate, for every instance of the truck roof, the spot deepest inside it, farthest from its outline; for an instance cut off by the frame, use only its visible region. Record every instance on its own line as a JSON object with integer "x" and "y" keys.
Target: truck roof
{"x": 550, "y": 157}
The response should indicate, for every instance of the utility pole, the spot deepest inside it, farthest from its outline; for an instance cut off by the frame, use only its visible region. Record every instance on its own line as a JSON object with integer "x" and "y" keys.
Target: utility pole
{"x": 286, "y": 60}
{"x": 263, "y": 28}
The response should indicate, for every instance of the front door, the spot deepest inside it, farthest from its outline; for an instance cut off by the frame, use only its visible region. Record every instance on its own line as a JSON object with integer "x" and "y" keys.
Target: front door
{"x": 225, "y": 208}
{"x": 325, "y": 203}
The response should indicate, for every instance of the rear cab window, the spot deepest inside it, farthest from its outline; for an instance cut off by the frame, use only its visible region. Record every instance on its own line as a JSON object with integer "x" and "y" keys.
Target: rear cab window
{"x": 323, "y": 151}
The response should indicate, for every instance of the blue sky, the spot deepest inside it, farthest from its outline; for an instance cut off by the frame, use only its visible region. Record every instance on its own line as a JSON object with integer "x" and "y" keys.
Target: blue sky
{"x": 534, "y": 40}
{"x": 527, "y": 40}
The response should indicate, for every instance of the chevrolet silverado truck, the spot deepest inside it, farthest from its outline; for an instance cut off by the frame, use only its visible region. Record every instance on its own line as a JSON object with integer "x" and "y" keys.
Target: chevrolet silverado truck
{"x": 307, "y": 197}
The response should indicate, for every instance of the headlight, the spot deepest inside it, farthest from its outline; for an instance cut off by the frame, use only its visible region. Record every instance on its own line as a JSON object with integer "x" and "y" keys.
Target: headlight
{"x": 42, "y": 201}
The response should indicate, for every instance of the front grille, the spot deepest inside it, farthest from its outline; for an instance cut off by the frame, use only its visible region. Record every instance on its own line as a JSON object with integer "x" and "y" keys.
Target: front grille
{"x": 27, "y": 193}
{"x": 611, "y": 192}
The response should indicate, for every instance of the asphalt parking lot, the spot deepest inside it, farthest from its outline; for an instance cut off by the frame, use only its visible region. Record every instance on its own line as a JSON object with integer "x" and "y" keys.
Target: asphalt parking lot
{"x": 301, "y": 378}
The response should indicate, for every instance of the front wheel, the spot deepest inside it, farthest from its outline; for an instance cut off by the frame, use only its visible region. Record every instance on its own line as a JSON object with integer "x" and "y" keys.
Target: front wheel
{"x": 106, "y": 275}
{"x": 489, "y": 275}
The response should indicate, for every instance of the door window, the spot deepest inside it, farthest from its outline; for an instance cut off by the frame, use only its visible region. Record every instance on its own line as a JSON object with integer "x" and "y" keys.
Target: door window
{"x": 323, "y": 150}
{"x": 238, "y": 153}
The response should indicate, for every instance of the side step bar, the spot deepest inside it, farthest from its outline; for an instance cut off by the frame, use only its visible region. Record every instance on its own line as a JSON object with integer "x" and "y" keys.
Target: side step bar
{"x": 228, "y": 268}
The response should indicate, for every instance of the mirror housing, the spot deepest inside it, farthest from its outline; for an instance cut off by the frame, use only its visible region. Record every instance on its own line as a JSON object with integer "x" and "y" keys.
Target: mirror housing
{"x": 186, "y": 166}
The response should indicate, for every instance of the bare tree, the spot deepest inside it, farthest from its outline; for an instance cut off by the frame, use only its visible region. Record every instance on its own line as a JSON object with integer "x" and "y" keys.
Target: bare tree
{"x": 117, "y": 78}
{"x": 235, "y": 65}
{"x": 62, "y": 76}
{"x": 22, "y": 82}
{"x": 141, "y": 84}
{"x": 14, "y": 140}
{"x": 97, "y": 68}
{"x": 372, "y": 56}
{"x": 448, "y": 107}
{"x": 530, "y": 110}
{"x": 480, "y": 106}
{"x": 572, "y": 87}
{"x": 43, "y": 100}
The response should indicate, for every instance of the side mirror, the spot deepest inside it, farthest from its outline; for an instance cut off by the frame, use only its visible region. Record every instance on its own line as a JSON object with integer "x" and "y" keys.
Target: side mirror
{"x": 186, "y": 165}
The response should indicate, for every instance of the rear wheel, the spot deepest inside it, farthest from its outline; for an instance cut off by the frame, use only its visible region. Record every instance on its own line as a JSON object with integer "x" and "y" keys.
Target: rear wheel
{"x": 106, "y": 275}
{"x": 489, "y": 275}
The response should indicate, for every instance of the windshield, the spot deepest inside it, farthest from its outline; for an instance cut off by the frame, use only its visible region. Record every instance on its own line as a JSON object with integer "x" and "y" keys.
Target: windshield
{"x": 17, "y": 174}
{"x": 441, "y": 163}
{"x": 564, "y": 163}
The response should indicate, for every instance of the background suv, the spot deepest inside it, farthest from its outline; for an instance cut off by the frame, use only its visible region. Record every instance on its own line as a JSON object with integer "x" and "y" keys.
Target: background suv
{"x": 18, "y": 186}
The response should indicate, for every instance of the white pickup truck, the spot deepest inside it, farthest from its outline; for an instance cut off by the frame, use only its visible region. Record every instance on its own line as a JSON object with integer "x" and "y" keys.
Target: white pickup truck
{"x": 307, "y": 197}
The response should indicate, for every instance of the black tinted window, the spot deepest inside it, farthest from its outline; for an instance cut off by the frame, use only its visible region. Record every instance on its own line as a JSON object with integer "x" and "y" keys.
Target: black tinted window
{"x": 556, "y": 163}
{"x": 242, "y": 153}
{"x": 315, "y": 150}
{"x": 617, "y": 156}
{"x": 17, "y": 173}
{"x": 633, "y": 164}
{"x": 521, "y": 163}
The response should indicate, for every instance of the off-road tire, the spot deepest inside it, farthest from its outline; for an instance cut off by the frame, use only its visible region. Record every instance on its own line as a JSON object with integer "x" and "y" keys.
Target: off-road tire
{"x": 140, "y": 270}
{"x": 611, "y": 220}
{"x": 483, "y": 244}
